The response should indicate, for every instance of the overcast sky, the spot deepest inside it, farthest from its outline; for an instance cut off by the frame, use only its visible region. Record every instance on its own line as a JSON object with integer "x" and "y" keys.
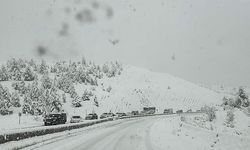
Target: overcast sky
{"x": 203, "y": 41}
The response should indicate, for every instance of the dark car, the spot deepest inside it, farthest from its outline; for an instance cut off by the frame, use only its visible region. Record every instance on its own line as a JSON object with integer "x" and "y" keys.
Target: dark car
{"x": 179, "y": 111}
{"x": 168, "y": 111}
{"x": 121, "y": 114}
{"x": 189, "y": 110}
{"x": 107, "y": 115}
{"x": 104, "y": 115}
{"x": 54, "y": 119}
{"x": 135, "y": 113}
{"x": 91, "y": 116}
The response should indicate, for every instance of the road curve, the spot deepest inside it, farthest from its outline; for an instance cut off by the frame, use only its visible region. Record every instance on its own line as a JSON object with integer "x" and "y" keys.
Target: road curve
{"x": 128, "y": 135}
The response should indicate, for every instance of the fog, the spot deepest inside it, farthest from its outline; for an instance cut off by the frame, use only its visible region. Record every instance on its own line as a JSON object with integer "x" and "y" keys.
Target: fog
{"x": 203, "y": 41}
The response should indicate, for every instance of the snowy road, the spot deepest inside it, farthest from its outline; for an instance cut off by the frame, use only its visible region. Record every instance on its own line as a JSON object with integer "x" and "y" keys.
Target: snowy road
{"x": 132, "y": 134}
{"x": 146, "y": 133}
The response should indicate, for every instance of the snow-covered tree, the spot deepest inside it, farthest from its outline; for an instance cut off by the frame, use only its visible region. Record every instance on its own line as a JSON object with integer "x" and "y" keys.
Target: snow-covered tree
{"x": 105, "y": 68}
{"x": 45, "y": 100}
{"x": 5, "y": 100}
{"x": 65, "y": 84}
{"x": 15, "y": 100}
{"x": 210, "y": 111}
{"x": 84, "y": 62}
{"x": 21, "y": 63}
{"x": 12, "y": 64}
{"x": 4, "y": 76}
{"x": 16, "y": 74}
{"x": 26, "y": 109}
{"x": 32, "y": 63}
{"x": 241, "y": 99}
{"x": 230, "y": 119}
{"x": 28, "y": 74}
{"x": 76, "y": 102}
{"x": 72, "y": 92}
{"x": 56, "y": 105}
{"x": 81, "y": 75}
{"x": 64, "y": 97}
{"x": 87, "y": 95}
{"x": 43, "y": 68}
{"x": 46, "y": 81}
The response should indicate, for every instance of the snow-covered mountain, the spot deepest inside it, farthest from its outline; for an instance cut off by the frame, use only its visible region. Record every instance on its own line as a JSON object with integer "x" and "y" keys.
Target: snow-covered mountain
{"x": 130, "y": 88}
{"x": 136, "y": 88}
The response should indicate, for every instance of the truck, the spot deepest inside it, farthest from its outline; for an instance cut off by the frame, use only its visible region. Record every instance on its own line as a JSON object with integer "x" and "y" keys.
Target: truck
{"x": 55, "y": 119}
{"x": 148, "y": 110}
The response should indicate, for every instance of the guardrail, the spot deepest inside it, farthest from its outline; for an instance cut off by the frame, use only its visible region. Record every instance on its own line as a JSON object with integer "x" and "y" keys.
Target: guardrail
{"x": 46, "y": 130}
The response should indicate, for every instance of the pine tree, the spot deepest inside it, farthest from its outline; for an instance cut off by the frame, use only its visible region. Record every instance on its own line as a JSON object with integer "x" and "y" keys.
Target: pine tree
{"x": 64, "y": 97}
{"x": 15, "y": 100}
{"x": 28, "y": 74}
{"x": 4, "y": 76}
{"x": 241, "y": 99}
{"x": 16, "y": 74}
{"x": 45, "y": 100}
{"x": 56, "y": 105}
{"x": 230, "y": 119}
{"x": 84, "y": 62}
{"x": 105, "y": 68}
{"x": 22, "y": 88}
{"x": 72, "y": 91}
{"x": 12, "y": 64}
{"x": 32, "y": 63}
{"x": 76, "y": 102}
{"x": 46, "y": 81}
{"x": 27, "y": 105}
{"x": 43, "y": 68}
{"x": 5, "y": 98}
{"x": 85, "y": 96}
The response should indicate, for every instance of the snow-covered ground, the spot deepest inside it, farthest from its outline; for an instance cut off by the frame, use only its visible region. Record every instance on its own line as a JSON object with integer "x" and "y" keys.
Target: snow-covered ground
{"x": 152, "y": 133}
{"x": 173, "y": 134}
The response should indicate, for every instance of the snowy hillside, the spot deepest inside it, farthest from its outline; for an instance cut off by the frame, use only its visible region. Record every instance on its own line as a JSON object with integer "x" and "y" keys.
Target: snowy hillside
{"x": 228, "y": 90}
{"x": 136, "y": 88}
{"x": 78, "y": 88}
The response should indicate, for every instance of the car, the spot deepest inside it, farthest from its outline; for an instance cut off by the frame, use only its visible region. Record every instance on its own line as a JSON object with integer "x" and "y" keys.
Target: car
{"x": 135, "y": 113}
{"x": 148, "y": 110}
{"x": 75, "y": 119}
{"x": 198, "y": 110}
{"x": 179, "y": 111}
{"x": 6, "y": 112}
{"x": 168, "y": 111}
{"x": 54, "y": 119}
{"x": 121, "y": 114}
{"x": 107, "y": 115}
{"x": 104, "y": 115}
{"x": 91, "y": 116}
{"x": 111, "y": 114}
{"x": 189, "y": 110}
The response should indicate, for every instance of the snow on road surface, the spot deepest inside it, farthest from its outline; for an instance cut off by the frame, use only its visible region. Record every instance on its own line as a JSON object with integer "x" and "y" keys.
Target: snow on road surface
{"x": 149, "y": 133}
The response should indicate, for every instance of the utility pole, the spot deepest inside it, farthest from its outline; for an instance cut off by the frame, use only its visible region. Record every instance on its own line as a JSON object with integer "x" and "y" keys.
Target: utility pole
{"x": 19, "y": 117}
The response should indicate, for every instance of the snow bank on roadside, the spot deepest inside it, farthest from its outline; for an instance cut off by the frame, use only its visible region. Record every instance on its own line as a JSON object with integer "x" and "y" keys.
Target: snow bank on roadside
{"x": 241, "y": 122}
